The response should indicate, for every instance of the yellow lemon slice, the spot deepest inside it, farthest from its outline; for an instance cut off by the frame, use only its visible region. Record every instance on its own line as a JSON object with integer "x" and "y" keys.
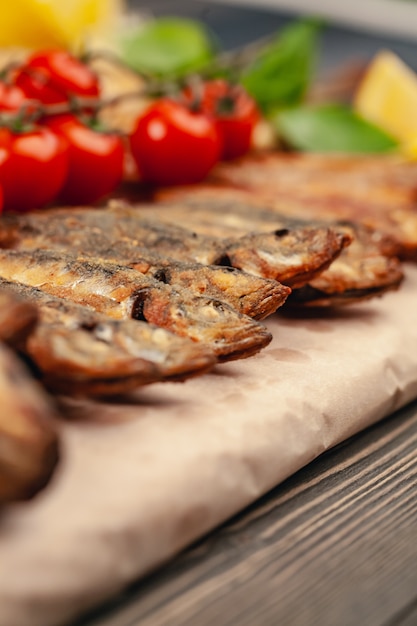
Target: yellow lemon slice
{"x": 57, "y": 23}
{"x": 410, "y": 147}
{"x": 387, "y": 96}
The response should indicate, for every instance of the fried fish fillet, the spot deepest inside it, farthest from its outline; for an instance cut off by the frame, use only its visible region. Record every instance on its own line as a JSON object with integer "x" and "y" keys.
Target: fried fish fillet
{"x": 361, "y": 272}
{"x": 251, "y": 295}
{"x": 366, "y": 268}
{"x": 29, "y": 447}
{"x": 291, "y": 258}
{"x": 76, "y": 350}
{"x": 124, "y": 293}
{"x": 379, "y": 191}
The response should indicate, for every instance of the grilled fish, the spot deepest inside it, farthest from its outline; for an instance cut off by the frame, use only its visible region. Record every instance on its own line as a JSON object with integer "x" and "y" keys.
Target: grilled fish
{"x": 366, "y": 268}
{"x": 251, "y": 295}
{"x": 17, "y": 317}
{"x": 29, "y": 447}
{"x": 291, "y": 258}
{"x": 379, "y": 191}
{"x": 124, "y": 293}
{"x": 362, "y": 272}
{"x": 76, "y": 350}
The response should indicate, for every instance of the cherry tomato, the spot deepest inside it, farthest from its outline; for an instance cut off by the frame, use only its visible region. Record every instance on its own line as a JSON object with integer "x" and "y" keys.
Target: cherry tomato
{"x": 1, "y": 200}
{"x": 95, "y": 160}
{"x": 5, "y": 147}
{"x": 236, "y": 114}
{"x": 173, "y": 145}
{"x": 11, "y": 97}
{"x": 53, "y": 76}
{"x": 33, "y": 167}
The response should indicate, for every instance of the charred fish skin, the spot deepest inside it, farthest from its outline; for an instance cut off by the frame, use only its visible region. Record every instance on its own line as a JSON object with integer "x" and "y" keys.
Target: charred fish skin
{"x": 123, "y": 222}
{"x": 263, "y": 254}
{"x": 250, "y": 295}
{"x": 58, "y": 355}
{"x": 289, "y": 253}
{"x": 239, "y": 212}
{"x": 378, "y": 191}
{"x": 230, "y": 334}
{"x": 267, "y": 253}
{"x": 366, "y": 268}
{"x": 221, "y": 211}
{"x": 77, "y": 351}
{"x": 29, "y": 446}
{"x": 311, "y": 297}
{"x": 122, "y": 293}
{"x": 305, "y": 253}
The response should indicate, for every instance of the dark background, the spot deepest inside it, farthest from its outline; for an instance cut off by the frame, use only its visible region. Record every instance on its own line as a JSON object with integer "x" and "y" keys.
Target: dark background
{"x": 234, "y": 26}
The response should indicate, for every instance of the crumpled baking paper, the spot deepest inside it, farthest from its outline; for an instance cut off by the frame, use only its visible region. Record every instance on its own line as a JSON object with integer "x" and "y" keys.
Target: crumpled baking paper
{"x": 141, "y": 479}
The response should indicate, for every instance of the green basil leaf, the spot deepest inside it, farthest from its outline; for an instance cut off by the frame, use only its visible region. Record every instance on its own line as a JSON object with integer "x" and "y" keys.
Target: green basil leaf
{"x": 282, "y": 73}
{"x": 331, "y": 128}
{"x": 168, "y": 47}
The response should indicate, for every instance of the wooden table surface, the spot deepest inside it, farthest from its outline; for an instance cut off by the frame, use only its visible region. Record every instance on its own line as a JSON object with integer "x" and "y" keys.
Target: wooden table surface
{"x": 335, "y": 545}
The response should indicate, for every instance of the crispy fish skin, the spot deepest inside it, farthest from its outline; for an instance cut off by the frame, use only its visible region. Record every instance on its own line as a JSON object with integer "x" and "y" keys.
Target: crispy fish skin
{"x": 17, "y": 317}
{"x": 273, "y": 255}
{"x": 124, "y": 293}
{"x": 250, "y": 295}
{"x": 366, "y": 268}
{"x": 220, "y": 211}
{"x": 363, "y": 272}
{"x": 55, "y": 227}
{"x": 122, "y": 221}
{"x": 29, "y": 447}
{"x": 235, "y": 212}
{"x": 81, "y": 352}
{"x": 306, "y": 252}
{"x": 379, "y": 191}
{"x": 264, "y": 253}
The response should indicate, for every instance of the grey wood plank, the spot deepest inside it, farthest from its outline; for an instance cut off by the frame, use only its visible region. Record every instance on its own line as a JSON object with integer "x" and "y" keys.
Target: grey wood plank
{"x": 407, "y": 617}
{"x": 335, "y": 544}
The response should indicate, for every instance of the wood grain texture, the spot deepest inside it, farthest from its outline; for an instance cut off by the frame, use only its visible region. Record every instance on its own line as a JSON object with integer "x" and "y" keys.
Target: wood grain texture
{"x": 335, "y": 544}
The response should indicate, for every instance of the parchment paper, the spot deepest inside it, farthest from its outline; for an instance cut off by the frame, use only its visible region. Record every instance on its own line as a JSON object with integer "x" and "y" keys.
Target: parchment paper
{"x": 142, "y": 478}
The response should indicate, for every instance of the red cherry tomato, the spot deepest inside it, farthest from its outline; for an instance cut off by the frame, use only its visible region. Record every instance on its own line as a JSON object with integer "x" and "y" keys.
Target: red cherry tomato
{"x": 33, "y": 168}
{"x": 53, "y": 76}
{"x": 1, "y": 200}
{"x": 95, "y": 160}
{"x": 5, "y": 150}
{"x": 236, "y": 114}
{"x": 11, "y": 97}
{"x": 173, "y": 145}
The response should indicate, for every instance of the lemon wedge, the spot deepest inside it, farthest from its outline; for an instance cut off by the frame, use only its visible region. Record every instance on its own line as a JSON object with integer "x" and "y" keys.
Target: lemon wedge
{"x": 387, "y": 96}
{"x": 409, "y": 149}
{"x": 57, "y": 23}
